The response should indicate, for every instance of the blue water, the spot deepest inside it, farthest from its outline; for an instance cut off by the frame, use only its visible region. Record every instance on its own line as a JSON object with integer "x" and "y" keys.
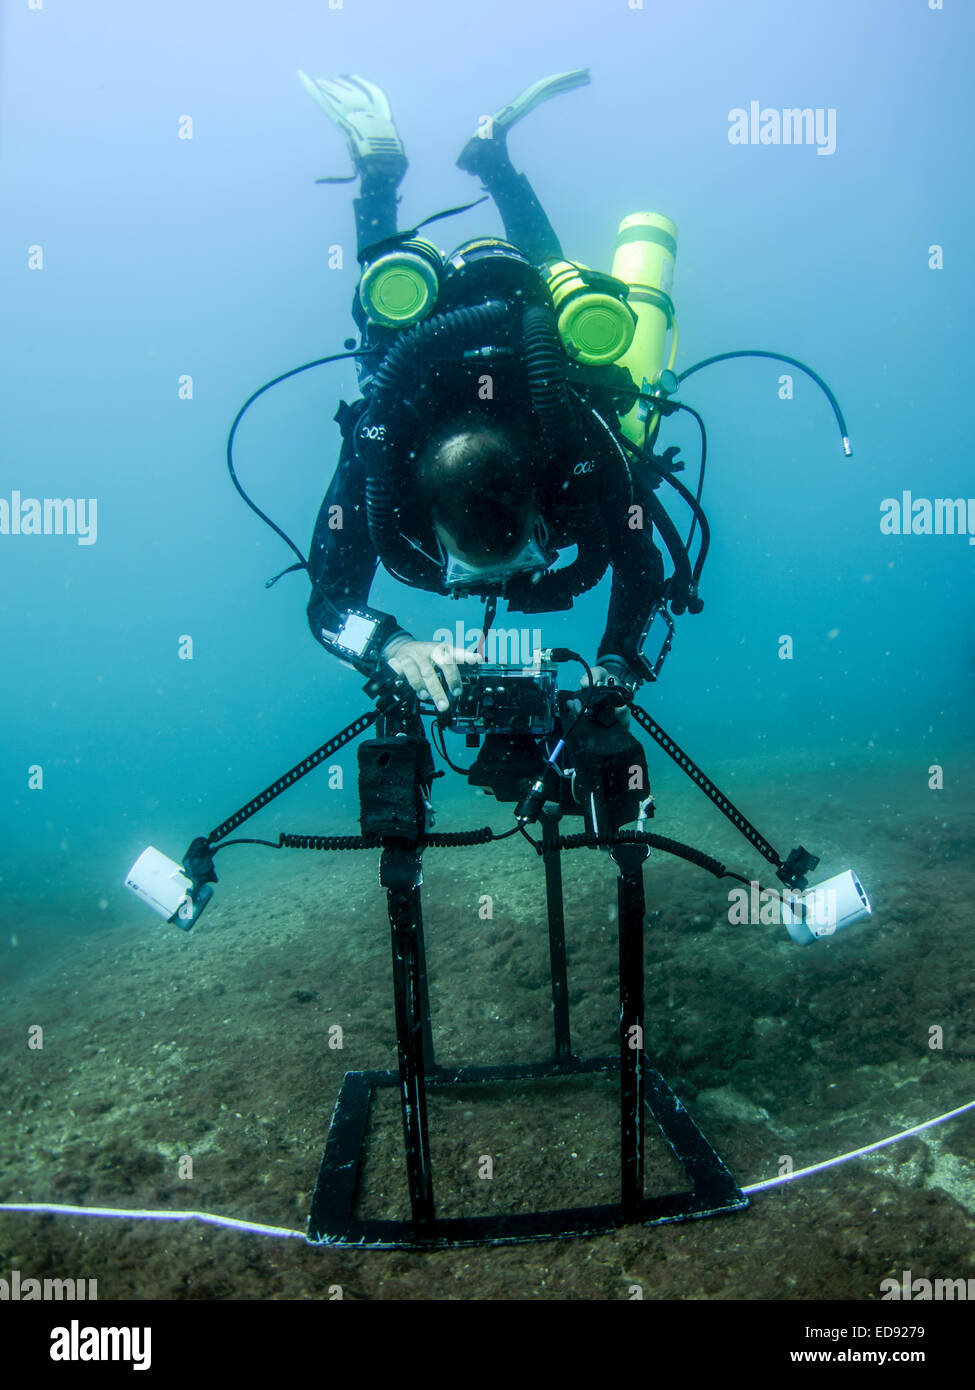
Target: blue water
{"x": 164, "y": 256}
{"x": 161, "y": 257}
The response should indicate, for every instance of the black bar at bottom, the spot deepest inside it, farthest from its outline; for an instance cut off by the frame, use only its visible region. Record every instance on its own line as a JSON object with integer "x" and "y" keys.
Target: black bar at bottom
{"x": 715, "y": 1192}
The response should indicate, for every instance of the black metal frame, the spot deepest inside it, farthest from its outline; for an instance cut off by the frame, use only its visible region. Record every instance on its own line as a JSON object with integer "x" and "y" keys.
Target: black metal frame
{"x": 713, "y": 1191}
{"x": 396, "y": 771}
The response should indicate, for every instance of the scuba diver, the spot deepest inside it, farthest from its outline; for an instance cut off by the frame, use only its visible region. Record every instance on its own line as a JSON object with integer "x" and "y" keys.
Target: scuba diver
{"x": 510, "y": 406}
{"x": 488, "y": 437}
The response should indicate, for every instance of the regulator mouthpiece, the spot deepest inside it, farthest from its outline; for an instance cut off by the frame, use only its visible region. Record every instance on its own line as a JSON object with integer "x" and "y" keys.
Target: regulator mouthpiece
{"x": 165, "y": 887}
{"x": 825, "y": 909}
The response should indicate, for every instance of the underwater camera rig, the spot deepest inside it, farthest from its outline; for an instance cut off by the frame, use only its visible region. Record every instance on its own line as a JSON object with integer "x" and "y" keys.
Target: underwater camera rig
{"x": 553, "y": 753}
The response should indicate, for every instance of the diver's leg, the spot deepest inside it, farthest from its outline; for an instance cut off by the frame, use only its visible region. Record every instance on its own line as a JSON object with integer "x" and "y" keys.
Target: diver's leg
{"x": 375, "y": 207}
{"x": 525, "y": 221}
{"x": 486, "y": 156}
{"x": 361, "y": 111}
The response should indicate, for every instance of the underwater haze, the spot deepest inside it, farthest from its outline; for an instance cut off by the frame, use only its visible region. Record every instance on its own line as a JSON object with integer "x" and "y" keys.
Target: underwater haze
{"x": 165, "y": 250}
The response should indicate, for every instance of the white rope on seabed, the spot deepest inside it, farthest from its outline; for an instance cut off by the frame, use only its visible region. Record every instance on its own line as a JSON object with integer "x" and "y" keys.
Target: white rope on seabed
{"x": 857, "y": 1153}
{"x": 255, "y": 1228}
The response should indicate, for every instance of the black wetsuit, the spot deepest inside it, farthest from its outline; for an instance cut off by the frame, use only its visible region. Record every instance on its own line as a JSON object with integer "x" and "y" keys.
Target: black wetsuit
{"x": 343, "y": 560}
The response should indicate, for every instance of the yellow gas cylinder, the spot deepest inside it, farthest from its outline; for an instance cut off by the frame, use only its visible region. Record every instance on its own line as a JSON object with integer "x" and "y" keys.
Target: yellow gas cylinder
{"x": 646, "y": 250}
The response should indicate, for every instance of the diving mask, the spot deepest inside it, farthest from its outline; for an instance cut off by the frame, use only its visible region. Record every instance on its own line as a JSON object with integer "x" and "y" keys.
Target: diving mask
{"x": 534, "y": 555}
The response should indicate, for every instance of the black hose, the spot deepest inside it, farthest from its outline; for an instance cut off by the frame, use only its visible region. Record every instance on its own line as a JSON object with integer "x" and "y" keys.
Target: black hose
{"x": 397, "y": 371}
{"x": 693, "y": 502}
{"x": 377, "y": 438}
{"x": 778, "y": 357}
{"x": 545, "y": 367}
{"x": 639, "y": 837}
{"x": 698, "y": 513}
{"x": 681, "y": 581}
{"x": 402, "y": 560}
{"x": 546, "y": 372}
{"x": 439, "y": 331}
{"x": 555, "y": 590}
{"x": 295, "y": 371}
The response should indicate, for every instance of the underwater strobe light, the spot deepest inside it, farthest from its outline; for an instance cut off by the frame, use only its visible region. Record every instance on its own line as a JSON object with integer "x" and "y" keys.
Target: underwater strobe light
{"x": 165, "y": 886}
{"x": 825, "y": 909}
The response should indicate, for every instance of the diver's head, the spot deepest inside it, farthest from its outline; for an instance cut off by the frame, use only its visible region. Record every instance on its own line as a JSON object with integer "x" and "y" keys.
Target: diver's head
{"x": 473, "y": 480}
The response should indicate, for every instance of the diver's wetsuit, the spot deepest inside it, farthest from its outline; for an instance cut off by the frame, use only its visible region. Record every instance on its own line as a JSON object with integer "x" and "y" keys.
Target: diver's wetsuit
{"x": 342, "y": 561}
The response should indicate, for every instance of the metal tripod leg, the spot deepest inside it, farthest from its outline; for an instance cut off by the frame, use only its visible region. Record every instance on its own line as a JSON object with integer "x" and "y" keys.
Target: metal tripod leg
{"x": 631, "y": 903}
{"x": 423, "y": 991}
{"x": 556, "y": 934}
{"x": 400, "y": 824}
{"x": 399, "y": 873}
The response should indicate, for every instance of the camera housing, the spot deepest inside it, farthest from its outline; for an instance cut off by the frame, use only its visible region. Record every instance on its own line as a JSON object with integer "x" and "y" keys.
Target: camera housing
{"x": 505, "y": 700}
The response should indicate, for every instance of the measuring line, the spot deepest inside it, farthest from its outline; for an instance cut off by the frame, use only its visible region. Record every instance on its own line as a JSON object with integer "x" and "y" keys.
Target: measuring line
{"x": 282, "y": 1232}
{"x": 857, "y": 1153}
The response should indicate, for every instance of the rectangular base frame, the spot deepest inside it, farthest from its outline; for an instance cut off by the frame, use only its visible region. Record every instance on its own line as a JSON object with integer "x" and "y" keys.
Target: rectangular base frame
{"x": 331, "y": 1222}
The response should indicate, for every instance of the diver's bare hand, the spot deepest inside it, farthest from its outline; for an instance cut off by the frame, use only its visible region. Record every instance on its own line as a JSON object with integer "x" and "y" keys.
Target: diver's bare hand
{"x": 431, "y": 669}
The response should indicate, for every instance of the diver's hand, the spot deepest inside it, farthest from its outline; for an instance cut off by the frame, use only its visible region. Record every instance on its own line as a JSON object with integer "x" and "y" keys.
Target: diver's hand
{"x": 601, "y": 677}
{"x": 431, "y": 669}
